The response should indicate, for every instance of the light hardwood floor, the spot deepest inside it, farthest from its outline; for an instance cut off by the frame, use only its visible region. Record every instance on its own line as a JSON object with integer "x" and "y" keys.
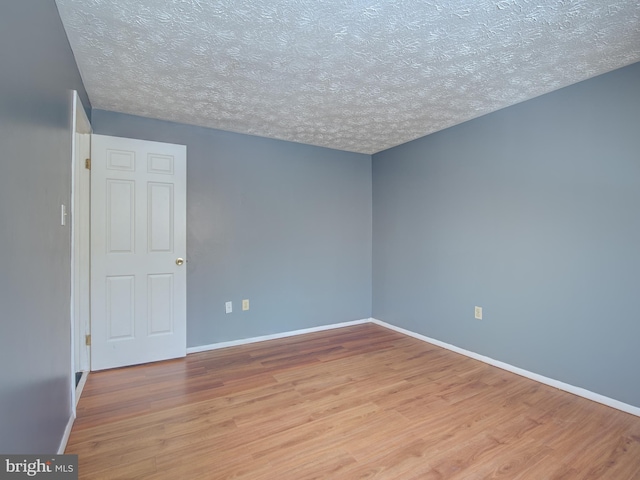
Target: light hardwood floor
{"x": 351, "y": 403}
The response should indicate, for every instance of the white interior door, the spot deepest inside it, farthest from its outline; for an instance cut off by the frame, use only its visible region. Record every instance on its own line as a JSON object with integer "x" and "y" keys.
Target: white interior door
{"x": 138, "y": 250}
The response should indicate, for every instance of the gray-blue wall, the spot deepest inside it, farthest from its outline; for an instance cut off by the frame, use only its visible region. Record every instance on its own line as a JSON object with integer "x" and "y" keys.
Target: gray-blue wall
{"x": 37, "y": 72}
{"x": 286, "y": 225}
{"x": 532, "y": 212}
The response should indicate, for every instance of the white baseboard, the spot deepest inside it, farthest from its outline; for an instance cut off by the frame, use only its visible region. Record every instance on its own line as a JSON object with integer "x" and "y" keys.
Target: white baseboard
{"x": 65, "y": 436}
{"x": 245, "y": 341}
{"x": 596, "y": 397}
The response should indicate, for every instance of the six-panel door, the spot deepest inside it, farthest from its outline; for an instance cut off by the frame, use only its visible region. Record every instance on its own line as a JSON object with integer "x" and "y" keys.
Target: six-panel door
{"x": 138, "y": 232}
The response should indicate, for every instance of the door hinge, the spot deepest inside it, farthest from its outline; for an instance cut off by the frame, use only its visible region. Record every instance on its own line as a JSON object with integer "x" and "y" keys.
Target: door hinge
{"x": 87, "y": 164}
{"x": 87, "y": 340}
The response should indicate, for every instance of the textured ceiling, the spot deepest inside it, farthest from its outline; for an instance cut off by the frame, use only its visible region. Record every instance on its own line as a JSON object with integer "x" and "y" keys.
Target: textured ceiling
{"x": 354, "y": 75}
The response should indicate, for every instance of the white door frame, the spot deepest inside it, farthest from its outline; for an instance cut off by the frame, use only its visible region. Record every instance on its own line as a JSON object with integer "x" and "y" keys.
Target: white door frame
{"x": 80, "y": 260}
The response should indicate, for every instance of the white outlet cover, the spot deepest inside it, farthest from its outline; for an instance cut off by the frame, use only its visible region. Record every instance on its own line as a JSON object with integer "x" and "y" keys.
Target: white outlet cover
{"x": 228, "y": 307}
{"x": 478, "y": 313}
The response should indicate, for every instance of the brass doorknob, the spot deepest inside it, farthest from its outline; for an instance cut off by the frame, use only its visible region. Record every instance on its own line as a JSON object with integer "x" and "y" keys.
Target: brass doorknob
{"x": 179, "y": 261}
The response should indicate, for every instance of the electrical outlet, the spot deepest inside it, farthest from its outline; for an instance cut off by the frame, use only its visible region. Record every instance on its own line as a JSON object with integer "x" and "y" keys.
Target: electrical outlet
{"x": 245, "y": 304}
{"x": 478, "y": 313}
{"x": 228, "y": 307}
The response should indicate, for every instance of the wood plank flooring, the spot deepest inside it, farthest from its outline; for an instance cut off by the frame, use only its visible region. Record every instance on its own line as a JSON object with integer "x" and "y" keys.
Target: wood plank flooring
{"x": 361, "y": 402}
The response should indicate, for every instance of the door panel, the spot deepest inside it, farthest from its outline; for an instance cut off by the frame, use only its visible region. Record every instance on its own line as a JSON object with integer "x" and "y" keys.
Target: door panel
{"x": 138, "y": 230}
{"x": 120, "y": 221}
{"x": 160, "y": 294}
{"x": 160, "y": 217}
{"x": 120, "y": 311}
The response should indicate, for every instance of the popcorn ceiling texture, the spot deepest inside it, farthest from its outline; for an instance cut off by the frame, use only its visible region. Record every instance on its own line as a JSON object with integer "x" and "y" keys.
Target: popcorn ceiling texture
{"x": 355, "y": 75}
